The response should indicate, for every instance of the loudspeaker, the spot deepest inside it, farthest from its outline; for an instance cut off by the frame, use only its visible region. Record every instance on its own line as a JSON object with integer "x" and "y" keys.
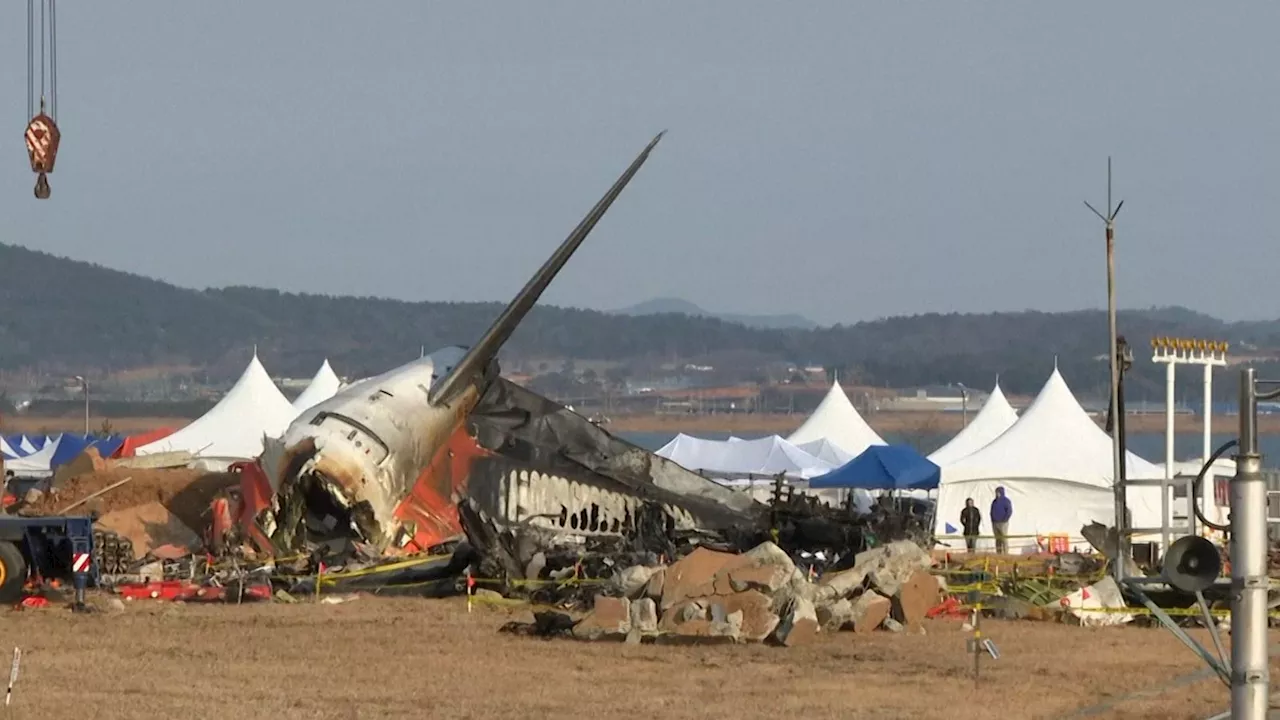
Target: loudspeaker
{"x": 1192, "y": 564}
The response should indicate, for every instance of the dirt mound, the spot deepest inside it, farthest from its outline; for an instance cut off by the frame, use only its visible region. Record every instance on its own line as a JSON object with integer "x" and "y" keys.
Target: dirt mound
{"x": 183, "y": 492}
{"x": 149, "y": 526}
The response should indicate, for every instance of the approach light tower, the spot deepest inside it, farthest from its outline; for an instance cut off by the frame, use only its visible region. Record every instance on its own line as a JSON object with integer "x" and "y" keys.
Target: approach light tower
{"x": 1183, "y": 351}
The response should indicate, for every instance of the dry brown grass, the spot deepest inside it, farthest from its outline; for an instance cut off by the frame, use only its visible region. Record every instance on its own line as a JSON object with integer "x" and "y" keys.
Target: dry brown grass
{"x": 383, "y": 658}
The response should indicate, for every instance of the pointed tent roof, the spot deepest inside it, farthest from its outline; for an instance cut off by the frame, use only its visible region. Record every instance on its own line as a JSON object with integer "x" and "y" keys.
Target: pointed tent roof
{"x": 996, "y": 416}
{"x": 826, "y": 451}
{"x": 234, "y": 428}
{"x": 1054, "y": 439}
{"x": 37, "y": 464}
{"x": 6, "y": 451}
{"x": 26, "y": 446}
{"x": 836, "y": 419}
{"x": 764, "y": 456}
{"x": 323, "y": 386}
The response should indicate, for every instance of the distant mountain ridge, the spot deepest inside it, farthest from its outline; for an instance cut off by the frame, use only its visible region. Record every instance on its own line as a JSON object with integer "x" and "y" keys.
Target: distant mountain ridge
{"x": 64, "y": 317}
{"x": 677, "y": 306}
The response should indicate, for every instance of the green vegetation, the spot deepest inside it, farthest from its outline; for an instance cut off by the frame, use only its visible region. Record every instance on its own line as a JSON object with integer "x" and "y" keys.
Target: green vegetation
{"x": 64, "y": 316}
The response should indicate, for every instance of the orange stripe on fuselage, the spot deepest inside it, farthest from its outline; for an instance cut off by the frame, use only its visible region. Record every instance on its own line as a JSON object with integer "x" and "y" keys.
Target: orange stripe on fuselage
{"x": 432, "y": 504}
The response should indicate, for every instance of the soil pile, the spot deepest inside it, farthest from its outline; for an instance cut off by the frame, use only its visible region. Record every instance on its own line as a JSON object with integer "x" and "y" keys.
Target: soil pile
{"x": 156, "y": 507}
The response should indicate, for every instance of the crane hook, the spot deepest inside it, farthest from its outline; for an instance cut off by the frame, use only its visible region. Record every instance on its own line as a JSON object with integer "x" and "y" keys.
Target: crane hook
{"x": 42, "y": 138}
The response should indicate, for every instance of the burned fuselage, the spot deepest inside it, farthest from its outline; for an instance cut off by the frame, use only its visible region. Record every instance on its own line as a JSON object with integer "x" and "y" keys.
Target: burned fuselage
{"x": 344, "y": 467}
{"x": 365, "y": 467}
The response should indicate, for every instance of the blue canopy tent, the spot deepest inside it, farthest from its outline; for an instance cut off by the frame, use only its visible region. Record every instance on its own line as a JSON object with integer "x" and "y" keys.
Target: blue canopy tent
{"x": 69, "y": 446}
{"x": 883, "y": 467}
{"x": 108, "y": 446}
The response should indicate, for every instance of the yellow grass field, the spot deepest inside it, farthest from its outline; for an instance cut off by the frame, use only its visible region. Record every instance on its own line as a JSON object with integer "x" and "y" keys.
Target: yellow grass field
{"x": 413, "y": 658}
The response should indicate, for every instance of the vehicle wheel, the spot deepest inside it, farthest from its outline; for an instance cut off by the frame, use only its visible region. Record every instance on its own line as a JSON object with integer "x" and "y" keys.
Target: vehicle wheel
{"x": 13, "y": 573}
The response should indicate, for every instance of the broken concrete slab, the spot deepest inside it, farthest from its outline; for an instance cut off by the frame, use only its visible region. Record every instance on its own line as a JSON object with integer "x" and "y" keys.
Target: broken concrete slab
{"x": 840, "y": 584}
{"x": 799, "y": 625}
{"x": 644, "y": 616}
{"x": 870, "y": 610}
{"x": 915, "y": 598}
{"x": 694, "y": 575}
{"x": 687, "y": 611}
{"x": 610, "y": 618}
{"x": 729, "y": 626}
{"x": 835, "y": 616}
{"x": 726, "y": 629}
{"x": 758, "y": 618}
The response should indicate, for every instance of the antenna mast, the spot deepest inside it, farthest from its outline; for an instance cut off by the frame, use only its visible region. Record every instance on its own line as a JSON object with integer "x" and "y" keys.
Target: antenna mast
{"x": 1117, "y": 458}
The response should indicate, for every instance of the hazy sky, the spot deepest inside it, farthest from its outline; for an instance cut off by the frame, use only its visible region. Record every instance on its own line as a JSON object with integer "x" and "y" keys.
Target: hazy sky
{"x": 845, "y": 160}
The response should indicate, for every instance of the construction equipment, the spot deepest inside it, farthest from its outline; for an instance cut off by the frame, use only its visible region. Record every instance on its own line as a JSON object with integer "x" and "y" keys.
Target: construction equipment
{"x": 42, "y": 134}
{"x": 48, "y": 548}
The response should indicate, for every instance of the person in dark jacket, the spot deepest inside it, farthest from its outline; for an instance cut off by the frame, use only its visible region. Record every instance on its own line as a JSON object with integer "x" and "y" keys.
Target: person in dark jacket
{"x": 971, "y": 520}
{"x": 1001, "y": 511}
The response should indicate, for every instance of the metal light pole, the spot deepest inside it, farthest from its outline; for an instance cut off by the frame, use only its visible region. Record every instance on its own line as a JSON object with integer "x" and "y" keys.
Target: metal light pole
{"x": 964, "y": 405}
{"x": 84, "y": 385}
{"x": 1121, "y": 502}
{"x": 1250, "y": 673}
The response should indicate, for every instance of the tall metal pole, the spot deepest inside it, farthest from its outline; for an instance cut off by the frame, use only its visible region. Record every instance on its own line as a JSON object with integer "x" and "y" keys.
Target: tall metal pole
{"x": 1250, "y": 674}
{"x": 1121, "y": 502}
{"x": 84, "y": 386}
{"x": 1168, "y": 457}
{"x": 1208, "y": 413}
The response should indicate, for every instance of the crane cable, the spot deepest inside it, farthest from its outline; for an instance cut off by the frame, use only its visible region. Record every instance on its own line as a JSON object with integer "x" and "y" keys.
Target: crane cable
{"x": 42, "y": 134}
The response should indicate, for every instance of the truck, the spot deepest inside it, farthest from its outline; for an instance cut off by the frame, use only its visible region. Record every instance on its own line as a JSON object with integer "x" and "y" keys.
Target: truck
{"x": 46, "y": 548}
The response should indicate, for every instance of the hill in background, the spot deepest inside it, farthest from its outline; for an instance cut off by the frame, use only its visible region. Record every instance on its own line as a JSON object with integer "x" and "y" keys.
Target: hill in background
{"x": 67, "y": 317}
{"x": 676, "y": 306}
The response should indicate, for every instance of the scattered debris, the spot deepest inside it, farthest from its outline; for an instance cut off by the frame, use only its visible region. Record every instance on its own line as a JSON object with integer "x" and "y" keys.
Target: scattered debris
{"x": 710, "y": 596}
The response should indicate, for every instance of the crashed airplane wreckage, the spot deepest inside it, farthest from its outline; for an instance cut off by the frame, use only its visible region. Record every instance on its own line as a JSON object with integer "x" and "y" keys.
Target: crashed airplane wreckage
{"x": 442, "y": 449}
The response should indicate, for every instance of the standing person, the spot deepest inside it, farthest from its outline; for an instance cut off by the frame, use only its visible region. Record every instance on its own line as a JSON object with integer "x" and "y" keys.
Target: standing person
{"x": 1001, "y": 511}
{"x": 971, "y": 520}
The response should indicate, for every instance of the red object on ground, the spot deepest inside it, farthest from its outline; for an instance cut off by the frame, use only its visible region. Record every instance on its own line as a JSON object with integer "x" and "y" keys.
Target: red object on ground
{"x": 951, "y": 607}
{"x": 190, "y": 592}
{"x": 34, "y": 601}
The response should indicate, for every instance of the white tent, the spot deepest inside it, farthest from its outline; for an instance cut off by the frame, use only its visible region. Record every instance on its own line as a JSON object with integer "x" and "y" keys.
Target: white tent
{"x": 836, "y": 419}
{"x": 6, "y": 451}
{"x": 26, "y": 447}
{"x": 234, "y": 428}
{"x": 36, "y": 464}
{"x": 996, "y": 416}
{"x": 765, "y": 456}
{"x": 827, "y": 451}
{"x": 1055, "y": 465}
{"x": 323, "y": 386}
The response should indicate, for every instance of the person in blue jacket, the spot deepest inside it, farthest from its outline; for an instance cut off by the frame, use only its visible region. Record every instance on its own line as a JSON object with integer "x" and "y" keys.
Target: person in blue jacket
{"x": 1001, "y": 511}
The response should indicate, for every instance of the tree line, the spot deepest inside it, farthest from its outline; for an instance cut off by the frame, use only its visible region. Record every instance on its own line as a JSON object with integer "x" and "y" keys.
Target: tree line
{"x": 62, "y": 315}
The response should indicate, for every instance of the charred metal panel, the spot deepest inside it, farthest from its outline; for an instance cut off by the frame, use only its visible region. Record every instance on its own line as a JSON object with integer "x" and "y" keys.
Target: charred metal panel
{"x": 539, "y": 433}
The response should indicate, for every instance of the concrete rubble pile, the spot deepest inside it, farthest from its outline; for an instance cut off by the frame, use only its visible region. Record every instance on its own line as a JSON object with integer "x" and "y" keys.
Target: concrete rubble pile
{"x": 760, "y": 596}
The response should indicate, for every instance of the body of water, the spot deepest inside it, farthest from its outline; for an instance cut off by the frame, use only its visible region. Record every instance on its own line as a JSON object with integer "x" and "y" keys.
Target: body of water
{"x": 1187, "y": 446}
